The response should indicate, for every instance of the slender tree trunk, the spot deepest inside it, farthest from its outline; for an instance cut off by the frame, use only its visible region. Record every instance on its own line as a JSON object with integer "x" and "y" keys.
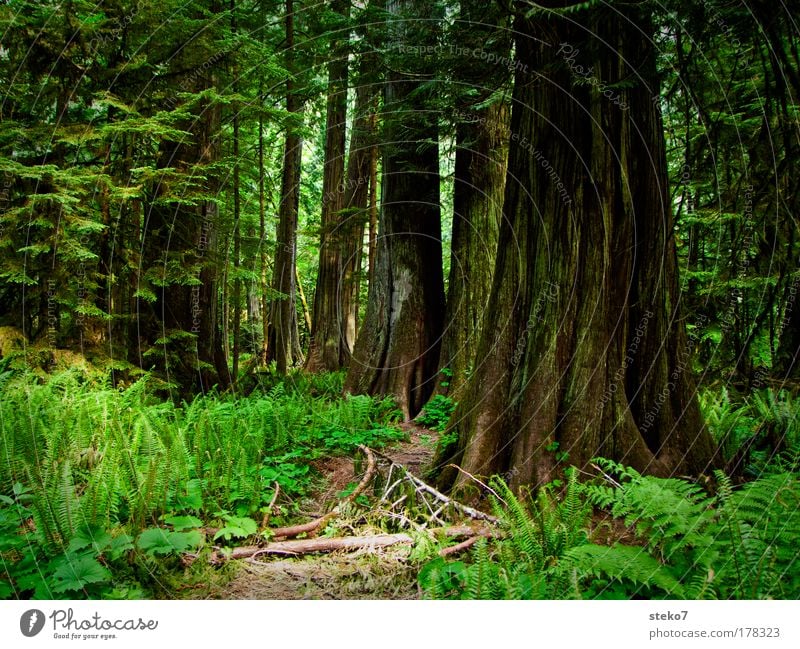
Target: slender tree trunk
{"x": 262, "y": 216}
{"x": 284, "y": 338}
{"x": 303, "y": 303}
{"x": 237, "y": 283}
{"x": 356, "y": 209}
{"x": 587, "y": 352}
{"x": 336, "y": 299}
{"x": 397, "y": 350}
{"x": 328, "y": 350}
{"x": 374, "y": 154}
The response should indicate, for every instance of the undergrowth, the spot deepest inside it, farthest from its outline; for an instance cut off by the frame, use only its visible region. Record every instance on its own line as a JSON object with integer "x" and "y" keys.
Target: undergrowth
{"x": 758, "y": 434}
{"x": 735, "y": 543}
{"x": 103, "y": 491}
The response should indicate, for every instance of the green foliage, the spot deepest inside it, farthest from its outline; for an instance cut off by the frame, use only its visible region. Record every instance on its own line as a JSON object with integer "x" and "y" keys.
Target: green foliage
{"x": 87, "y": 468}
{"x": 738, "y": 543}
{"x": 758, "y": 434}
{"x": 239, "y": 527}
{"x": 156, "y": 541}
{"x": 525, "y": 563}
{"x": 436, "y": 412}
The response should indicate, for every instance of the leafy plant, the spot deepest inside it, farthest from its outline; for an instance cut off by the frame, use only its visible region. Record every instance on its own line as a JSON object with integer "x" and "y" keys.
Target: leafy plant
{"x": 239, "y": 527}
{"x": 436, "y": 412}
{"x": 157, "y": 541}
{"x": 524, "y": 563}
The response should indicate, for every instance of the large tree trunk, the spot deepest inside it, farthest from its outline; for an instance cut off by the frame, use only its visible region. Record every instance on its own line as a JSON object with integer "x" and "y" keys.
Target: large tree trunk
{"x": 339, "y": 281}
{"x": 284, "y": 338}
{"x": 397, "y": 349}
{"x": 587, "y": 353}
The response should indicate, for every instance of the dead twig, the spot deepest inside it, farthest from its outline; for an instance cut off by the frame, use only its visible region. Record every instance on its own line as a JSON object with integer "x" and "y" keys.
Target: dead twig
{"x": 432, "y": 491}
{"x": 268, "y": 513}
{"x": 606, "y": 476}
{"x": 482, "y": 484}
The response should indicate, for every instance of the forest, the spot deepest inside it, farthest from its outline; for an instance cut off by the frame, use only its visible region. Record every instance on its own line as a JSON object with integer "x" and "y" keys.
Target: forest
{"x": 399, "y": 299}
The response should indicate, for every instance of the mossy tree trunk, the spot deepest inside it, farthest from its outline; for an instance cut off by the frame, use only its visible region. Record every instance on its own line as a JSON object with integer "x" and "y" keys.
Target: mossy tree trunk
{"x": 343, "y": 204}
{"x": 587, "y": 353}
{"x": 397, "y": 349}
{"x": 284, "y": 337}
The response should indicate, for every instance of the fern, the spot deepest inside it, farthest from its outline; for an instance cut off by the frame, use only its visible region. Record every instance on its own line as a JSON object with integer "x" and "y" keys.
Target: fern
{"x": 628, "y": 565}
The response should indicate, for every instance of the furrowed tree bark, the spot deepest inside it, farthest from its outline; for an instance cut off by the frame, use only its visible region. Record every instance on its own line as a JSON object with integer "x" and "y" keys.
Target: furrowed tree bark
{"x": 480, "y": 169}
{"x": 237, "y": 239}
{"x": 397, "y": 349}
{"x": 329, "y": 349}
{"x": 284, "y": 338}
{"x": 587, "y": 354}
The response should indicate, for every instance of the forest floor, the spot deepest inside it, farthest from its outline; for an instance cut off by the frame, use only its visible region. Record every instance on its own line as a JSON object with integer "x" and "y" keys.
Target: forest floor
{"x": 376, "y": 573}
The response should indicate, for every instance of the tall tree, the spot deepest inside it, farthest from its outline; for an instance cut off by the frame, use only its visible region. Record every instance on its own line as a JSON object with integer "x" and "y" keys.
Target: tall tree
{"x": 329, "y": 348}
{"x": 482, "y": 136}
{"x": 397, "y": 348}
{"x": 284, "y": 336}
{"x": 588, "y": 354}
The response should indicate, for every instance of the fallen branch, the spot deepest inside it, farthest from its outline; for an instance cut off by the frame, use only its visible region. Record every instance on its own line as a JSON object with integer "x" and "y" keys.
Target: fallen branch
{"x": 608, "y": 478}
{"x": 319, "y": 523}
{"x": 456, "y": 531}
{"x": 455, "y": 549}
{"x": 426, "y": 488}
{"x": 482, "y": 484}
{"x": 307, "y": 546}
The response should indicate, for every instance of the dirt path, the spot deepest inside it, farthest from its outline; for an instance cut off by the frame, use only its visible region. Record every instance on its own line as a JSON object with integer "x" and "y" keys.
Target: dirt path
{"x": 386, "y": 573}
